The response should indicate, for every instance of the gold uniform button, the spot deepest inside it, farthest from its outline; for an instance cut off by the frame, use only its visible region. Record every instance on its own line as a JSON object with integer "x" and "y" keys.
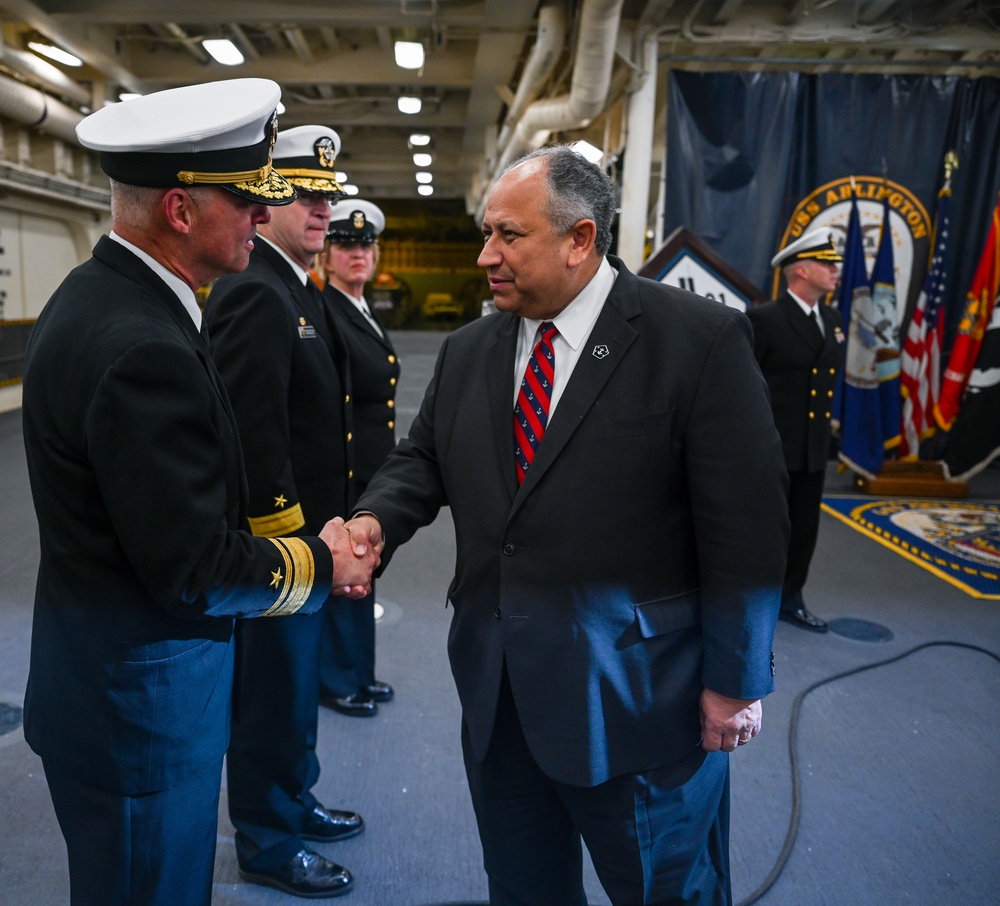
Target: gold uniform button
{"x": 392, "y": 360}
{"x": 832, "y": 371}
{"x": 812, "y": 392}
{"x": 350, "y": 474}
{"x": 392, "y": 382}
{"x": 350, "y": 436}
{"x": 815, "y": 371}
{"x": 829, "y": 393}
{"x": 347, "y": 398}
{"x": 827, "y": 414}
{"x": 392, "y": 425}
{"x": 812, "y": 414}
{"x": 391, "y": 404}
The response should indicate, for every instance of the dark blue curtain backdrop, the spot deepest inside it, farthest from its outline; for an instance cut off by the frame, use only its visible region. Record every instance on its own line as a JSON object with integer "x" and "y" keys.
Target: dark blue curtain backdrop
{"x": 744, "y": 149}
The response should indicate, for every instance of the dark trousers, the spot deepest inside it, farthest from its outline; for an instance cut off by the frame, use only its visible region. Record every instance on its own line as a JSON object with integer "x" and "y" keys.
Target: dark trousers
{"x": 347, "y": 655}
{"x": 805, "y": 493}
{"x": 154, "y": 849}
{"x": 652, "y": 841}
{"x": 271, "y": 765}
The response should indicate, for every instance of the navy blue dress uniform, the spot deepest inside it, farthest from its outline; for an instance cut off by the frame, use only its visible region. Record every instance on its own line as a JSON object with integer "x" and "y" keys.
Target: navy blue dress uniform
{"x": 801, "y": 364}
{"x": 286, "y": 370}
{"x": 137, "y": 478}
{"x": 347, "y": 662}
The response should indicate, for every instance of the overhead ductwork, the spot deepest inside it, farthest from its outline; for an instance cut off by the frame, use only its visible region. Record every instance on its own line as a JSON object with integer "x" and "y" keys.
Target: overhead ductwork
{"x": 591, "y": 81}
{"x": 27, "y": 105}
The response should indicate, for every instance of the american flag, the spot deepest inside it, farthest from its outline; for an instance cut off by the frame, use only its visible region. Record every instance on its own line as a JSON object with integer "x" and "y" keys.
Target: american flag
{"x": 921, "y": 359}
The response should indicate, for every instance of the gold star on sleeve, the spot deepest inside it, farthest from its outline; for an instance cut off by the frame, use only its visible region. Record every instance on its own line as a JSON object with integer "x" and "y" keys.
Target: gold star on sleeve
{"x": 283, "y": 522}
{"x": 294, "y": 588}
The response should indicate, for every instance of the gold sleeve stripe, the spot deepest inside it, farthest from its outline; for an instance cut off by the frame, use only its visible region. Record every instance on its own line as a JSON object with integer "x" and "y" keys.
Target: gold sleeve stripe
{"x": 300, "y": 574}
{"x": 277, "y": 524}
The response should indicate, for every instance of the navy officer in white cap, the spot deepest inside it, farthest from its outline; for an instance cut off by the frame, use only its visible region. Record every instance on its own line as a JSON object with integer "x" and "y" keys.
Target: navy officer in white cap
{"x": 347, "y": 663}
{"x": 286, "y": 370}
{"x": 137, "y": 478}
{"x": 799, "y": 345}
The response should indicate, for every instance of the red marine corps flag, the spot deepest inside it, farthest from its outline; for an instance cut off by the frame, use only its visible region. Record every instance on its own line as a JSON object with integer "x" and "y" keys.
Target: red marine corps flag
{"x": 978, "y": 310}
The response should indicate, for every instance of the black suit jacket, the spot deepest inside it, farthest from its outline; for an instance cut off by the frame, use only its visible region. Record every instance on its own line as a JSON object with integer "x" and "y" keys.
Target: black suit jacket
{"x": 137, "y": 479}
{"x": 374, "y": 376}
{"x": 642, "y": 558}
{"x": 801, "y": 369}
{"x": 287, "y": 372}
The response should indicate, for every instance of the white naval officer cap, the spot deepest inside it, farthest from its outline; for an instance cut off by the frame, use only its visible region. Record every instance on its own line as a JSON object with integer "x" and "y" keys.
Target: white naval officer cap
{"x": 307, "y": 157}
{"x": 355, "y": 220}
{"x": 216, "y": 133}
{"x": 816, "y": 245}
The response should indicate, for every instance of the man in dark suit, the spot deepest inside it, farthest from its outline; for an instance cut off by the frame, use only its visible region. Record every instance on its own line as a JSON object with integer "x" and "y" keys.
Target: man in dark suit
{"x": 799, "y": 345}
{"x": 347, "y": 659}
{"x": 615, "y": 591}
{"x": 286, "y": 370}
{"x": 137, "y": 479}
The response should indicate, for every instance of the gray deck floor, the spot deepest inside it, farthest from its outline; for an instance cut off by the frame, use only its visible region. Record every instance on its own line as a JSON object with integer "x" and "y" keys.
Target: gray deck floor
{"x": 899, "y": 799}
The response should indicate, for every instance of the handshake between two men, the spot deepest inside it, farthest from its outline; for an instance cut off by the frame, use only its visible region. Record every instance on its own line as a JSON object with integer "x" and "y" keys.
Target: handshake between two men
{"x": 356, "y": 547}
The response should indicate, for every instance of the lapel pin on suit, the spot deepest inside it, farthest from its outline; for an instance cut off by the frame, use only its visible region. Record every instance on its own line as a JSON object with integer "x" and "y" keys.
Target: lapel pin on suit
{"x": 601, "y": 351}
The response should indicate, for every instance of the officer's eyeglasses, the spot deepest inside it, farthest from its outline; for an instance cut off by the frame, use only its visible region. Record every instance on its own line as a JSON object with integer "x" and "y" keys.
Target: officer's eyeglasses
{"x": 313, "y": 199}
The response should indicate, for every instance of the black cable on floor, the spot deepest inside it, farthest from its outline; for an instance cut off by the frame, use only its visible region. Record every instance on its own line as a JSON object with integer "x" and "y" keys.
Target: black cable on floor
{"x": 793, "y": 822}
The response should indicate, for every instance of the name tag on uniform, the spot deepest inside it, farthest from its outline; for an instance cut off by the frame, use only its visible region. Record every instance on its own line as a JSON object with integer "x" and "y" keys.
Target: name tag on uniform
{"x": 307, "y": 331}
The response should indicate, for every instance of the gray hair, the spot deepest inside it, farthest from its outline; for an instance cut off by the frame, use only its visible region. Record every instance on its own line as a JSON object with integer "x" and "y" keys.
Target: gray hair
{"x": 136, "y": 206}
{"x": 577, "y": 190}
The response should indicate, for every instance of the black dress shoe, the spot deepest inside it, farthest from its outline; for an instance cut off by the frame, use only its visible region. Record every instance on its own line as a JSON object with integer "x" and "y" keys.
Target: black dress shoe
{"x": 357, "y": 705}
{"x": 327, "y": 825}
{"x": 803, "y": 619}
{"x": 378, "y": 691}
{"x": 306, "y": 874}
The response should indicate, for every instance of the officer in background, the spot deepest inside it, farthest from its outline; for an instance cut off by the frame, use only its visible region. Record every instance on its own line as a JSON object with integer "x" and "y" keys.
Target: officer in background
{"x": 348, "y": 261}
{"x": 138, "y": 485}
{"x": 799, "y": 345}
{"x": 287, "y": 374}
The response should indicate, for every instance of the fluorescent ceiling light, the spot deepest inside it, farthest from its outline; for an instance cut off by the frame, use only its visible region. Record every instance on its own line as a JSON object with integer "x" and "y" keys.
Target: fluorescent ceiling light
{"x": 351, "y": 189}
{"x": 424, "y": 177}
{"x": 422, "y": 159}
{"x": 587, "y": 150}
{"x": 55, "y": 53}
{"x": 223, "y": 51}
{"x": 419, "y": 140}
{"x": 280, "y": 109}
{"x": 425, "y": 190}
{"x": 128, "y": 96}
{"x": 340, "y": 176}
{"x": 409, "y": 105}
{"x": 409, "y": 54}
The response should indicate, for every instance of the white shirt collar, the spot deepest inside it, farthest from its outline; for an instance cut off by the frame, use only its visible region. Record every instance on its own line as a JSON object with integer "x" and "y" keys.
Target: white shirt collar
{"x": 577, "y": 319}
{"x": 300, "y": 271}
{"x": 805, "y": 306}
{"x": 183, "y": 292}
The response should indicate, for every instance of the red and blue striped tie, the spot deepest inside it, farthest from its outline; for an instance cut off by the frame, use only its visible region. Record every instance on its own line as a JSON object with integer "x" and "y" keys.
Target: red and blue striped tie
{"x": 531, "y": 412}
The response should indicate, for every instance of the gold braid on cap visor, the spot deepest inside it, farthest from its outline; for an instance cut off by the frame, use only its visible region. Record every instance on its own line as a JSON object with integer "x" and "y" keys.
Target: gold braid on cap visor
{"x": 821, "y": 255}
{"x": 259, "y": 175}
{"x": 311, "y": 180}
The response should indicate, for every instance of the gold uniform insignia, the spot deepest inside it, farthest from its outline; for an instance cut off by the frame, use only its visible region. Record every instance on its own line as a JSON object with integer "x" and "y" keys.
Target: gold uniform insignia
{"x": 358, "y": 221}
{"x": 280, "y": 501}
{"x": 294, "y": 588}
{"x": 326, "y": 153}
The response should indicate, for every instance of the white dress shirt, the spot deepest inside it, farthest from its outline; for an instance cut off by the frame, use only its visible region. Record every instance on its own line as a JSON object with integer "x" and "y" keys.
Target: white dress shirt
{"x": 574, "y": 323}
{"x": 180, "y": 288}
{"x": 809, "y": 309}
